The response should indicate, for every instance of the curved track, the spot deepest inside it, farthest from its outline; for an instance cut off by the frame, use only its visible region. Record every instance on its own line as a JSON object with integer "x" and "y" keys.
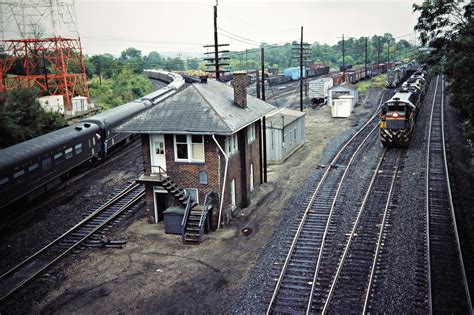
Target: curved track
{"x": 105, "y": 215}
{"x": 297, "y": 280}
{"x": 448, "y": 286}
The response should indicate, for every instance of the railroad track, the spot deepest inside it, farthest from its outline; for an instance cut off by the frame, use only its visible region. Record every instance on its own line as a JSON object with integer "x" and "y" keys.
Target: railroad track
{"x": 106, "y": 215}
{"x": 350, "y": 285}
{"x": 447, "y": 281}
{"x": 297, "y": 280}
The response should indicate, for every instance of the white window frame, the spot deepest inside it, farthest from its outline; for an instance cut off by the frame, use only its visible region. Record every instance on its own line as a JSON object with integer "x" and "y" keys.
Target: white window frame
{"x": 231, "y": 144}
{"x": 189, "y": 147}
{"x": 251, "y": 135}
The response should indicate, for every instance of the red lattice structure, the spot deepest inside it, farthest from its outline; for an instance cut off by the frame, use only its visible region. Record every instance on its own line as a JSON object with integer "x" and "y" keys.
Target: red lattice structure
{"x": 66, "y": 73}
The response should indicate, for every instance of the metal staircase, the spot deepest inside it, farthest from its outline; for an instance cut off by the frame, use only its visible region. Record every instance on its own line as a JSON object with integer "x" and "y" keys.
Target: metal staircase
{"x": 195, "y": 218}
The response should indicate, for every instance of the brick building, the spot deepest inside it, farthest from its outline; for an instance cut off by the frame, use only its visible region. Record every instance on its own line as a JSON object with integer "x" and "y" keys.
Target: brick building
{"x": 206, "y": 140}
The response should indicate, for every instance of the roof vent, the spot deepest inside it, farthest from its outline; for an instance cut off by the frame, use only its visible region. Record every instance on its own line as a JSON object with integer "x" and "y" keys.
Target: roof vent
{"x": 78, "y": 128}
{"x": 87, "y": 125}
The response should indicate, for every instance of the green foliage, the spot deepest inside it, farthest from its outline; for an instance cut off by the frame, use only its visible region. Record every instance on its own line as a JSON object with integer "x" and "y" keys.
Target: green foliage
{"x": 354, "y": 53}
{"x": 375, "y": 82}
{"x": 122, "y": 87}
{"x": 449, "y": 31}
{"x": 22, "y": 118}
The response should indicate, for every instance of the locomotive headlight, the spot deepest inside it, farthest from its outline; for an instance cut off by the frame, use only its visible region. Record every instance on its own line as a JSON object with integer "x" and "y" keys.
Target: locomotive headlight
{"x": 395, "y": 115}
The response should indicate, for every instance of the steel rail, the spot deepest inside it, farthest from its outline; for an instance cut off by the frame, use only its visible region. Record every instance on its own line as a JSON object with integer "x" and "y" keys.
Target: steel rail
{"x": 65, "y": 234}
{"x": 125, "y": 207}
{"x": 379, "y": 240}
{"x": 450, "y": 200}
{"x": 451, "y": 204}
{"x": 333, "y": 205}
{"x": 427, "y": 201}
{"x": 346, "y": 250}
{"x": 307, "y": 210}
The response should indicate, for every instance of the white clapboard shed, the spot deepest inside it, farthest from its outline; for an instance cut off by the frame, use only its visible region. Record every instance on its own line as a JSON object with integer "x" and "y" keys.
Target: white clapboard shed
{"x": 285, "y": 134}
{"x": 345, "y": 88}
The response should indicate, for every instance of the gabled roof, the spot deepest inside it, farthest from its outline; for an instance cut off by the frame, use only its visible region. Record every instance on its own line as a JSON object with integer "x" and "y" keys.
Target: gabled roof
{"x": 200, "y": 108}
{"x": 274, "y": 119}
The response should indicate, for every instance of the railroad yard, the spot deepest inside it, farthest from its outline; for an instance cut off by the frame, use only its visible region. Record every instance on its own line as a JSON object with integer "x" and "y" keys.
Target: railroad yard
{"x": 230, "y": 272}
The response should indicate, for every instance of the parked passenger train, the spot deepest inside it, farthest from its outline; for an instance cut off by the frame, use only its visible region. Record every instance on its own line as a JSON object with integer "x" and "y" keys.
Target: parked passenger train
{"x": 35, "y": 166}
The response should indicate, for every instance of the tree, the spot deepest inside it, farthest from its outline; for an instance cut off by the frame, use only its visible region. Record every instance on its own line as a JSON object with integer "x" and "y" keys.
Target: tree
{"x": 153, "y": 60}
{"x": 130, "y": 53}
{"x": 22, "y": 118}
{"x": 448, "y": 30}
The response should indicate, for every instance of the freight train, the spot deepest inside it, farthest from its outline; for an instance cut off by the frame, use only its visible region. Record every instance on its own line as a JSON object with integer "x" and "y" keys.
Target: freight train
{"x": 30, "y": 168}
{"x": 398, "y": 115}
{"x": 293, "y": 74}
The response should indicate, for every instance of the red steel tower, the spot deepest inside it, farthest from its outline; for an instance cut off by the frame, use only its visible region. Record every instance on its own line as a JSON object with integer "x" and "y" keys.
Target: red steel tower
{"x": 55, "y": 66}
{"x": 40, "y": 47}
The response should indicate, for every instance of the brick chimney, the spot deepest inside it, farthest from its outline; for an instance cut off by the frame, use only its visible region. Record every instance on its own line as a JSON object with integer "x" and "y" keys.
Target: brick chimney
{"x": 239, "y": 82}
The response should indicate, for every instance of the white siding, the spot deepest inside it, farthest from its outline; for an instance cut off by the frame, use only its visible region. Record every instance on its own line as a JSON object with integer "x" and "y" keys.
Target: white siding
{"x": 277, "y": 151}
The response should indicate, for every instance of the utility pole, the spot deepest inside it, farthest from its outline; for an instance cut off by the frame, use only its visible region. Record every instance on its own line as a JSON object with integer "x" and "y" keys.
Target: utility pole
{"x": 301, "y": 57}
{"x": 388, "y": 53}
{"x": 262, "y": 56}
{"x": 343, "y": 55}
{"x": 258, "y": 84}
{"x": 366, "y": 57}
{"x": 378, "y": 50}
{"x": 301, "y": 71}
{"x": 216, "y": 60}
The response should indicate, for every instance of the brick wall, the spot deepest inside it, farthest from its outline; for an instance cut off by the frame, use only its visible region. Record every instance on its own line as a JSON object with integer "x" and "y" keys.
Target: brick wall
{"x": 239, "y": 83}
{"x": 186, "y": 174}
{"x": 145, "y": 138}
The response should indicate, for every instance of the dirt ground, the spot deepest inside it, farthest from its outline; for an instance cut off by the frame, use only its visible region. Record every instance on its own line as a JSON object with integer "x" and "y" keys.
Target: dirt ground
{"x": 156, "y": 273}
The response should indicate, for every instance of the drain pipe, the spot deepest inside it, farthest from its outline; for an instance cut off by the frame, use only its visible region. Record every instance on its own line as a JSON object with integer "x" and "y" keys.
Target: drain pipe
{"x": 223, "y": 184}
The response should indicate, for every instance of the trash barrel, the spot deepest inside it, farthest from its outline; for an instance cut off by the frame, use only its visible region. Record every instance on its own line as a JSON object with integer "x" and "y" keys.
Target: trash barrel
{"x": 173, "y": 217}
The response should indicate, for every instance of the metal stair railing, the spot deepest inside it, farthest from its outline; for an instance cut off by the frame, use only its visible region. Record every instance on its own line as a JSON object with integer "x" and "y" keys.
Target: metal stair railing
{"x": 184, "y": 221}
{"x": 203, "y": 215}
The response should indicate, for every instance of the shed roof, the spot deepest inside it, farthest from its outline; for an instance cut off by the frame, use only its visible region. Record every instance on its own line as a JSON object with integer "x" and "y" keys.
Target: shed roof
{"x": 345, "y": 85}
{"x": 200, "y": 108}
{"x": 274, "y": 119}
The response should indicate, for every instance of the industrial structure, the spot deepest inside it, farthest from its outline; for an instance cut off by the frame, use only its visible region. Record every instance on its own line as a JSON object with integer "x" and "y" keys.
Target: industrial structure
{"x": 40, "y": 48}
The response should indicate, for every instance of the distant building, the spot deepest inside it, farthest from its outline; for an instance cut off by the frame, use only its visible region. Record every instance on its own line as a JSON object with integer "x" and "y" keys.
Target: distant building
{"x": 343, "y": 89}
{"x": 285, "y": 133}
{"x": 206, "y": 140}
{"x": 52, "y": 103}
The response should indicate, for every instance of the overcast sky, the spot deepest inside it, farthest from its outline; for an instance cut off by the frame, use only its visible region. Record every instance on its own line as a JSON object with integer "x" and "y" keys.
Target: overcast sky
{"x": 185, "y": 26}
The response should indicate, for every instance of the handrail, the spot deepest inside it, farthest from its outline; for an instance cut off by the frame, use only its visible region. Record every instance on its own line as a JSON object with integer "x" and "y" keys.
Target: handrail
{"x": 185, "y": 216}
{"x": 203, "y": 215}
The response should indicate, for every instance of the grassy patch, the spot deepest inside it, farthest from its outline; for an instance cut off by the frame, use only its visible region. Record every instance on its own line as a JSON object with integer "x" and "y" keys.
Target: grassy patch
{"x": 377, "y": 81}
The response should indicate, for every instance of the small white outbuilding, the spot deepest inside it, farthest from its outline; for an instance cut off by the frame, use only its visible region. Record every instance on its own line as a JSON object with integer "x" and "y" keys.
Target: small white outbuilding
{"x": 343, "y": 89}
{"x": 285, "y": 133}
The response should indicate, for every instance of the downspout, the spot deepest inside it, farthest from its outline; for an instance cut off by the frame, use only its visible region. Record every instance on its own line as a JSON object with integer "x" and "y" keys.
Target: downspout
{"x": 225, "y": 179}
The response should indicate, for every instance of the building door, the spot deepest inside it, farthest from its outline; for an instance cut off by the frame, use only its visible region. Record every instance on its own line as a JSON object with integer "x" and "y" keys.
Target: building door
{"x": 158, "y": 156}
{"x": 160, "y": 197}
